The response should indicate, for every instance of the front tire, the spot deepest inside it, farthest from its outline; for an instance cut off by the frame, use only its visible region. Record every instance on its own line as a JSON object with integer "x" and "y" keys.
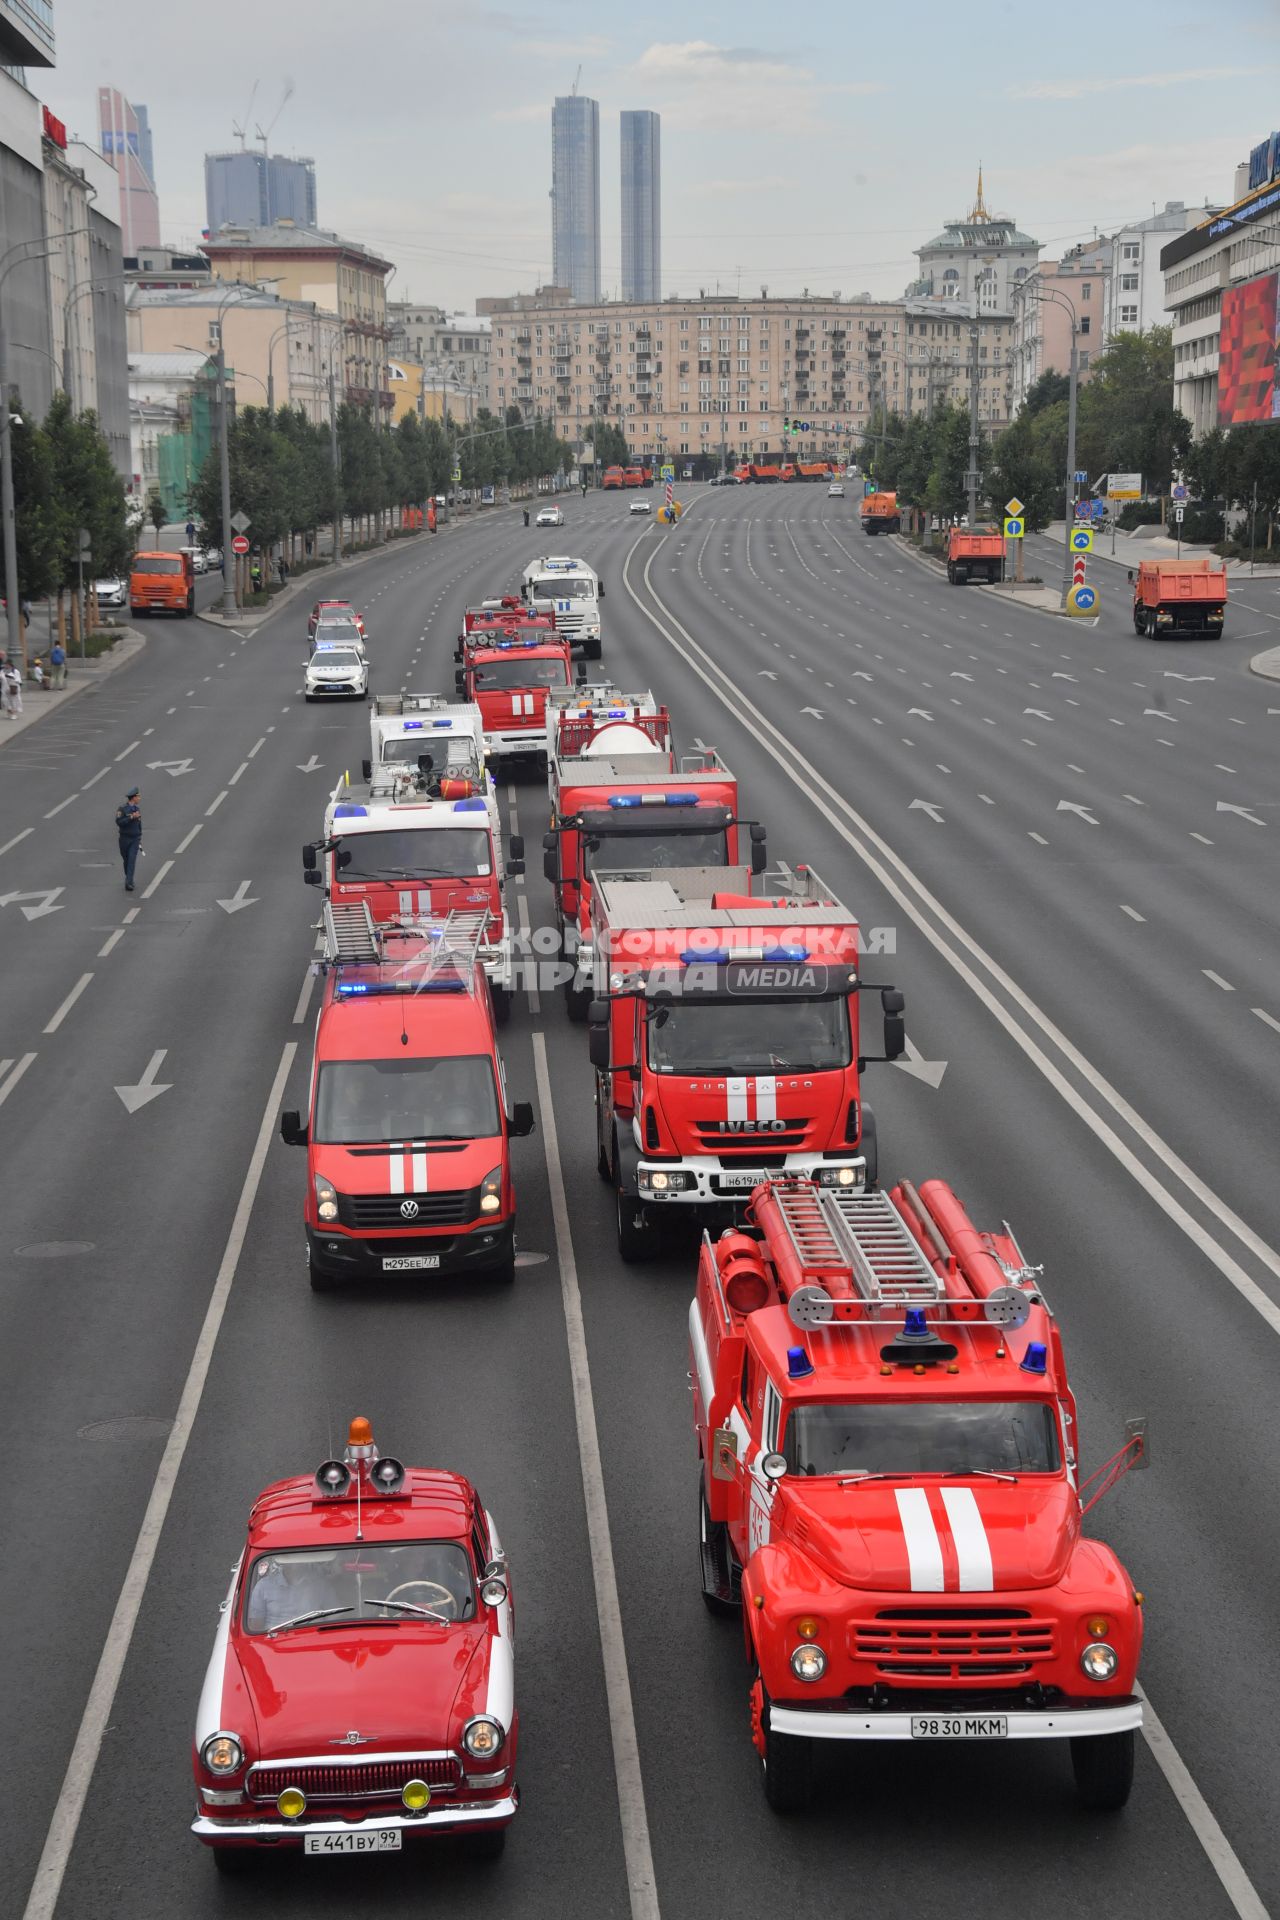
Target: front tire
{"x": 501, "y": 1006}
{"x": 577, "y": 1000}
{"x": 868, "y": 1147}
{"x": 321, "y": 1282}
{"x": 1103, "y": 1767}
{"x": 234, "y": 1860}
{"x": 487, "y": 1844}
{"x": 635, "y": 1238}
{"x": 786, "y": 1762}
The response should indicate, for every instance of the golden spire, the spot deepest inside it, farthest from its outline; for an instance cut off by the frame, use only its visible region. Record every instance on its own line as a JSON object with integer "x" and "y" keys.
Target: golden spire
{"x": 979, "y": 206}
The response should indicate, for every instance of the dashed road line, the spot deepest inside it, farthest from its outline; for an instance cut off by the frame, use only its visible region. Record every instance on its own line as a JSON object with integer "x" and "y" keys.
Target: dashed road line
{"x": 1133, "y": 914}
{"x": 185, "y": 843}
{"x": 68, "y": 1003}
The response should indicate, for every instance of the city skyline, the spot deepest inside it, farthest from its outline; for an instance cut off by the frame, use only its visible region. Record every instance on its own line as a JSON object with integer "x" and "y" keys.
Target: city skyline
{"x": 640, "y": 145}
{"x": 575, "y": 195}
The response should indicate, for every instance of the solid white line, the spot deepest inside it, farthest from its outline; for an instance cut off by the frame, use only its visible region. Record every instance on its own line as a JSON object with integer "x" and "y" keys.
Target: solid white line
{"x": 216, "y": 804}
{"x": 17, "y": 836}
{"x": 184, "y": 844}
{"x": 1236, "y": 1883}
{"x": 149, "y": 890}
{"x": 12, "y": 1078}
{"x": 304, "y": 998}
{"x": 77, "y": 1785}
{"x": 622, "y": 1725}
{"x": 1203, "y": 839}
{"x": 97, "y": 776}
{"x": 1217, "y": 979}
{"x": 1133, "y": 914}
{"x": 61, "y": 804}
{"x": 68, "y": 1003}
{"x": 110, "y": 942}
{"x": 1264, "y": 1015}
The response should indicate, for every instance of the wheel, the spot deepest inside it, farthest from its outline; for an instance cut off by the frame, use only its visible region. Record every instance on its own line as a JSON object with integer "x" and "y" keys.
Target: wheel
{"x": 604, "y": 1163}
{"x": 1103, "y": 1767}
{"x": 191, "y": 606}
{"x": 786, "y": 1763}
{"x": 577, "y": 1000}
{"x": 501, "y": 1006}
{"x": 868, "y": 1147}
{"x": 634, "y": 1236}
{"x": 1138, "y": 620}
{"x": 594, "y": 650}
{"x": 234, "y": 1860}
{"x": 321, "y": 1282}
{"x": 720, "y": 1592}
{"x": 505, "y": 1274}
{"x": 487, "y": 1844}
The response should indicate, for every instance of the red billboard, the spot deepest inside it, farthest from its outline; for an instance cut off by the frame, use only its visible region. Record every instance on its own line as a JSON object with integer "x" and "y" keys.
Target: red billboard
{"x": 1247, "y": 344}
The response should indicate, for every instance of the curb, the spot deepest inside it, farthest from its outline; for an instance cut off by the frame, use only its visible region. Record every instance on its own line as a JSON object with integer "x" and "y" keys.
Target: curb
{"x": 1267, "y": 664}
{"x": 939, "y": 573}
{"x": 125, "y": 651}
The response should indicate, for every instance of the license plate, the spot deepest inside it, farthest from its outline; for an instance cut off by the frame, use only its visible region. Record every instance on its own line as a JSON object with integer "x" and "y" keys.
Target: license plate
{"x": 959, "y": 1726}
{"x": 746, "y": 1178}
{"x": 411, "y": 1262}
{"x": 382, "y": 1840}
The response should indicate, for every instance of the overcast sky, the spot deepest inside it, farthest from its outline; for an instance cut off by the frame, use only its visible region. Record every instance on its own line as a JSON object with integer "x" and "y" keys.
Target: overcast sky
{"x": 816, "y": 147}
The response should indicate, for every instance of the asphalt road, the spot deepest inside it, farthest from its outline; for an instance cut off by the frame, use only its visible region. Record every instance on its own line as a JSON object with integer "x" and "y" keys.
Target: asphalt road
{"x": 1105, "y": 999}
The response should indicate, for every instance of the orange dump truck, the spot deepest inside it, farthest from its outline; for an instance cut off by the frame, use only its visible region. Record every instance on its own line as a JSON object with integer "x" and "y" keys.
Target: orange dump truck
{"x": 1179, "y": 596}
{"x": 162, "y": 583}
{"x": 880, "y": 513}
{"x": 974, "y": 556}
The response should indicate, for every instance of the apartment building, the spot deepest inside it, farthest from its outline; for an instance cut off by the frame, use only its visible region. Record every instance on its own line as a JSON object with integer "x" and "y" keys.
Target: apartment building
{"x": 1056, "y": 298}
{"x": 453, "y": 346}
{"x": 281, "y": 351}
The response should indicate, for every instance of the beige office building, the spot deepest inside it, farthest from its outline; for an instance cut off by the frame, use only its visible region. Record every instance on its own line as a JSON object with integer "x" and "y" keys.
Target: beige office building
{"x": 282, "y": 351}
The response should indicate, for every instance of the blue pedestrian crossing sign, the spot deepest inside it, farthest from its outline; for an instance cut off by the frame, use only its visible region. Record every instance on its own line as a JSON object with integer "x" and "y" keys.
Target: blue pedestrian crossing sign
{"x": 1013, "y": 528}
{"x": 666, "y": 471}
{"x": 1082, "y": 539}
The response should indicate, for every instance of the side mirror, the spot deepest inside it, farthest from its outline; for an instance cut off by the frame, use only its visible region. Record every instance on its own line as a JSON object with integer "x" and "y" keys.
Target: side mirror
{"x": 758, "y": 831}
{"x": 515, "y": 868}
{"x": 773, "y": 1467}
{"x": 310, "y": 857}
{"x": 460, "y": 681}
{"x": 895, "y": 1027}
{"x": 598, "y": 1013}
{"x": 600, "y": 586}
{"x": 517, "y": 846}
{"x": 581, "y": 673}
{"x": 598, "y": 1048}
{"x": 1131, "y": 576}
{"x": 520, "y": 1122}
{"x": 313, "y": 877}
{"x": 292, "y": 1131}
{"x": 366, "y": 769}
{"x": 759, "y": 856}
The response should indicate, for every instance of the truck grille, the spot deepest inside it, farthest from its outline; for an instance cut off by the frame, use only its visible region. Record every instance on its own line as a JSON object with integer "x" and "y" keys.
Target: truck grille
{"x": 960, "y": 1643}
{"x": 368, "y": 1211}
{"x": 354, "y": 1780}
{"x": 785, "y": 1140}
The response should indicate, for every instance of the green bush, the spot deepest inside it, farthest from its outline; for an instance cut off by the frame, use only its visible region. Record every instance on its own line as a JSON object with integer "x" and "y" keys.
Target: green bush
{"x": 1138, "y": 513}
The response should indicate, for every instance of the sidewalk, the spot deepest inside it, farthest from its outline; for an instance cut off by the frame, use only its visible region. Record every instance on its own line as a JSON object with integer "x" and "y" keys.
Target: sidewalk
{"x": 1130, "y": 548}
{"x": 1266, "y": 664}
{"x": 81, "y": 675}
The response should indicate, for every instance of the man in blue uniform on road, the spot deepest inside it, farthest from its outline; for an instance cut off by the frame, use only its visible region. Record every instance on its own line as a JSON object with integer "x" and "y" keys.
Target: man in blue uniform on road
{"x": 129, "y": 828}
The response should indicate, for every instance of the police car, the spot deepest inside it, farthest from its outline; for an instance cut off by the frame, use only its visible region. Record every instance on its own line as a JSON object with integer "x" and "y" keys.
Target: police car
{"x": 336, "y": 671}
{"x": 639, "y": 506}
{"x": 549, "y": 517}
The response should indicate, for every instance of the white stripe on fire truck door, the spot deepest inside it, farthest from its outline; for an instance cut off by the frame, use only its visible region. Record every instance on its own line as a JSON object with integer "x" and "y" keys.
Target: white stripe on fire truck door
{"x": 419, "y": 1173}
{"x": 973, "y": 1549}
{"x": 766, "y": 1097}
{"x": 924, "y": 1549}
{"x": 737, "y": 1092}
{"x": 395, "y": 1167}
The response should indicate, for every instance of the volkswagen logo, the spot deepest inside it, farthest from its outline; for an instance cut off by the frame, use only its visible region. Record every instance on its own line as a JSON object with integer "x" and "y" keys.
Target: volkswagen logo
{"x": 409, "y": 1208}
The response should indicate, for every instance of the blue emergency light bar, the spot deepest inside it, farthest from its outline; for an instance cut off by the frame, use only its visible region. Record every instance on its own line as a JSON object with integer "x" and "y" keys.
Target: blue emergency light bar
{"x": 721, "y": 956}
{"x": 381, "y": 989}
{"x": 345, "y": 812}
{"x": 622, "y": 800}
{"x": 504, "y": 646}
{"x": 471, "y": 806}
{"x": 413, "y": 726}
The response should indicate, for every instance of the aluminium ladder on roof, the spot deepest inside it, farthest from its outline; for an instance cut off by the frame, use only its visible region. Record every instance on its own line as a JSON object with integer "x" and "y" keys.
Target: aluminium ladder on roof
{"x": 349, "y": 932}
{"x": 864, "y": 1233}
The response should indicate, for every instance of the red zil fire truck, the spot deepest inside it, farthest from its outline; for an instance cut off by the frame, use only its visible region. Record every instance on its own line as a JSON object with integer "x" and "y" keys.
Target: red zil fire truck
{"x": 408, "y": 1131}
{"x": 889, "y": 1489}
{"x": 725, "y": 1038}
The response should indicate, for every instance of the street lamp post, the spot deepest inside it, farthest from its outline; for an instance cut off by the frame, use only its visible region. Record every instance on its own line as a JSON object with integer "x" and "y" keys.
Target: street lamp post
{"x": 281, "y": 333}
{"x": 224, "y": 459}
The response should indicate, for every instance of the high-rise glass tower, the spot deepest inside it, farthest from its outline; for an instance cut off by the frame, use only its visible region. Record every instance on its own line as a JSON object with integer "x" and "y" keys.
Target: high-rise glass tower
{"x": 575, "y": 195}
{"x": 641, "y": 206}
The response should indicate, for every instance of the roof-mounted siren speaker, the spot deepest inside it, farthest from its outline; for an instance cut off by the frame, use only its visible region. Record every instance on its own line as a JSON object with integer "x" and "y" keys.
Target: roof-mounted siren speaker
{"x": 1006, "y": 1307}
{"x": 386, "y": 1475}
{"x": 332, "y": 1479}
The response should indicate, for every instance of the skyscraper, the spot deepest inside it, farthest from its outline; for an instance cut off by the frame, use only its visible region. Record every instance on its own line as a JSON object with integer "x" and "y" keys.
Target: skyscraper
{"x": 641, "y": 206}
{"x": 575, "y": 195}
{"x": 126, "y": 143}
{"x": 249, "y": 188}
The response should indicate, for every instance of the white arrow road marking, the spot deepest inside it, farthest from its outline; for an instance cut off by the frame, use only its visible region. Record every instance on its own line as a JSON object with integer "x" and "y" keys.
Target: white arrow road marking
{"x": 238, "y": 899}
{"x": 46, "y": 896}
{"x": 914, "y": 1063}
{"x": 1074, "y": 806}
{"x": 1039, "y": 713}
{"x": 171, "y": 767}
{"x": 963, "y": 676}
{"x": 815, "y": 711}
{"x": 924, "y": 714}
{"x": 930, "y": 807}
{"x": 1192, "y": 679}
{"x": 146, "y": 1088}
{"x": 860, "y": 675}
{"x": 1162, "y": 713}
{"x": 1064, "y": 676}
{"x": 313, "y": 764}
{"x": 1224, "y": 806}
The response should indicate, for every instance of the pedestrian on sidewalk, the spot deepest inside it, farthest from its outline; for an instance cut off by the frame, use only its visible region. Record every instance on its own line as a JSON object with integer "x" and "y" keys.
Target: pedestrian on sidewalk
{"x": 11, "y": 690}
{"x": 526, "y": 516}
{"x": 129, "y": 832}
{"x": 57, "y": 665}
{"x": 37, "y": 670}
{"x": 282, "y": 568}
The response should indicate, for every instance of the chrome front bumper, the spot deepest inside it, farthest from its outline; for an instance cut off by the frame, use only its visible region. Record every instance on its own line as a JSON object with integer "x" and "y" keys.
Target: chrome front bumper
{"x": 490, "y": 1813}
{"x": 1067, "y": 1723}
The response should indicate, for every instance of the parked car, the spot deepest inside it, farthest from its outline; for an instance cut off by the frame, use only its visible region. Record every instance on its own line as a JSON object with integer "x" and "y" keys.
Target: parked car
{"x": 199, "y": 559}
{"x": 112, "y": 592}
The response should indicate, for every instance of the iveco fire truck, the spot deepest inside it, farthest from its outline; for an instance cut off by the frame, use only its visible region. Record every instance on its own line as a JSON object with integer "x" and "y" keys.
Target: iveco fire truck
{"x": 420, "y": 841}
{"x": 508, "y": 675}
{"x": 408, "y": 1168}
{"x": 890, "y": 1490}
{"x": 725, "y": 1039}
{"x": 571, "y": 590}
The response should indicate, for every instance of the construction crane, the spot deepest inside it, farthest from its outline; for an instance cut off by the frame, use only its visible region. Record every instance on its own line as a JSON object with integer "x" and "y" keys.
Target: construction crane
{"x": 285, "y": 97}
{"x": 238, "y": 127}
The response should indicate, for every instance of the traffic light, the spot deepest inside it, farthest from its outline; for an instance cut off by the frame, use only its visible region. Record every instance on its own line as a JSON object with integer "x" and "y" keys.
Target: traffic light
{"x": 786, "y": 423}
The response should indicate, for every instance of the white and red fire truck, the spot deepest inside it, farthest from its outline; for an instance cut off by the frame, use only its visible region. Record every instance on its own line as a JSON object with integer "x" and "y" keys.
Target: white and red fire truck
{"x": 889, "y": 1489}
{"x": 561, "y": 584}
{"x": 417, "y": 841}
{"x": 508, "y": 675}
{"x": 408, "y": 1130}
{"x": 360, "y": 1696}
{"x": 404, "y": 726}
{"x": 725, "y": 1038}
{"x": 619, "y": 802}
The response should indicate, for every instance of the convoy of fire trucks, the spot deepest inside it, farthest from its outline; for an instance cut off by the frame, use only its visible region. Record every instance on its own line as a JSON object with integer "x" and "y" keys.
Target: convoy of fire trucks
{"x": 891, "y": 1497}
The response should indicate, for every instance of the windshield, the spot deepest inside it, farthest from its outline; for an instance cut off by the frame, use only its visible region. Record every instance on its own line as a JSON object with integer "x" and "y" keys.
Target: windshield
{"x": 157, "y": 563}
{"x": 512, "y": 675}
{"x": 336, "y": 657}
{"x": 924, "y": 1436}
{"x": 404, "y": 749}
{"x": 451, "y": 1097}
{"x": 330, "y": 630}
{"x": 357, "y": 1581}
{"x": 749, "y": 1036}
{"x": 418, "y": 853}
{"x": 553, "y": 586}
{"x": 668, "y": 847}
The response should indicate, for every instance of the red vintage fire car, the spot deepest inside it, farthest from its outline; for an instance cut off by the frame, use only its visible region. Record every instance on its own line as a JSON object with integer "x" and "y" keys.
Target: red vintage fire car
{"x": 361, "y": 1689}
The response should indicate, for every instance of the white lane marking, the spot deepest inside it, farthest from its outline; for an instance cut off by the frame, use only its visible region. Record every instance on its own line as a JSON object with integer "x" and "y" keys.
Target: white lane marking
{"x": 832, "y": 805}
{"x": 242, "y": 768}
{"x": 1221, "y": 1856}
{"x": 76, "y": 1785}
{"x": 110, "y": 942}
{"x": 132, "y": 915}
{"x": 61, "y": 804}
{"x": 522, "y": 909}
{"x": 17, "y": 836}
{"x": 147, "y": 891}
{"x": 1203, "y": 839}
{"x": 1040, "y": 837}
{"x": 1217, "y": 979}
{"x": 628, "y": 1780}
{"x": 68, "y": 1003}
{"x": 304, "y": 998}
{"x": 12, "y": 1078}
{"x": 100, "y": 775}
{"x": 1264, "y": 1015}
{"x": 924, "y": 1549}
{"x": 184, "y": 844}
{"x": 1134, "y": 914}
{"x": 216, "y": 804}
{"x": 126, "y": 751}
{"x": 261, "y": 743}
{"x": 973, "y": 1549}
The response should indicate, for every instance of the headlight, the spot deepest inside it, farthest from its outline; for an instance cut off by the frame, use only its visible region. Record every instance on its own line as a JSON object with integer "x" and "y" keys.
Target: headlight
{"x": 292, "y": 1803}
{"x": 808, "y": 1662}
{"x": 491, "y": 1192}
{"x": 483, "y": 1738}
{"x": 416, "y": 1796}
{"x": 222, "y": 1753}
{"x": 1099, "y": 1661}
{"x": 845, "y": 1176}
{"x": 657, "y": 1180}
{"x": 326, "y": 1198}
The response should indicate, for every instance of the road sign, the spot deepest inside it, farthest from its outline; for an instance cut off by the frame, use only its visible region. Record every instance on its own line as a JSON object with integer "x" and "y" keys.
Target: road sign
{"x": 241, "y": 522}
{"x": 1014, "y": 507}
{"x": 239, "y": 544}
{"x": 1124, "y": 486}
{"x": 1077, "y": 571}
{"x": 86, "y": 543}
{"x": 1082, "y": 539}
{"x": 1178, "y": 513}
{"x": 1082, "y": 599}
{"x": 666, "y": 471}
{"x": 1013, "y": 528}
{"x": 457, "y": 476}
{"x": 1081, "y": 479}
{"x": 1179, "y": 490}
